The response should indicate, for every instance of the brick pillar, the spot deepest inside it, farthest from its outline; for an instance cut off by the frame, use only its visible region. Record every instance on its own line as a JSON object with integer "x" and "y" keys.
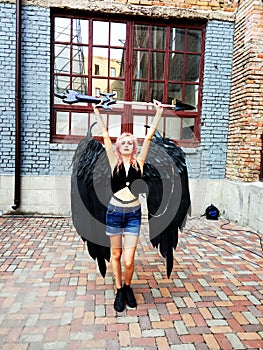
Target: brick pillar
{"x": 246, "y": 106}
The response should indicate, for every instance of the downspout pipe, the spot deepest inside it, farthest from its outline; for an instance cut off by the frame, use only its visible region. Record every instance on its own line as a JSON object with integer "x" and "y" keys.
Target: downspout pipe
{"x": 17, "y": 190}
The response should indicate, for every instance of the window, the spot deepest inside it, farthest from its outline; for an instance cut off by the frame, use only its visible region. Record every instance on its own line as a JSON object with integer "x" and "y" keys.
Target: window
{"x": 97, "y": 69}
{"x": 97, "y": 91}
{"x": 138, "y": 62}
{"x": 112, "y": 71}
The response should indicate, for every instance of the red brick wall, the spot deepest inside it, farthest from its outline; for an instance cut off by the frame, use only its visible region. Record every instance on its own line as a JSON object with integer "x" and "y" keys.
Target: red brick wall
{"x": 246, "y": 107}
{"x": 225, "y": 5}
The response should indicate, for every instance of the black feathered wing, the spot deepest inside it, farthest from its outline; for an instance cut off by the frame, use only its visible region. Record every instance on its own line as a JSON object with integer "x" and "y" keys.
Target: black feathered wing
{"x": 168, "y": 197}
{"x": 90, "y": 194}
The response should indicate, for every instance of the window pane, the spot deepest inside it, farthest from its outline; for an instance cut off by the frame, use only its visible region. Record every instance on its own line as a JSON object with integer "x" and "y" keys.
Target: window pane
{"x": 114, "y": 125}
{"x": 80, "y": 31}
{"x": 175, "y": 93}
{"x": 118, "y": 34}
{"x": 62, "y": 29}
{"x": 173, "y": 127}
{"x": 62, "y": 123}
{"x": 100, "y": 33}
{"x": 157, "y": 65}
{"x": 177, "y": 39}
{"x": 141, "y": 36}
{"x": 62, "y": 58}
{"x": 191, "y": 95}
{"x": 79, "y": 123}
{"x": 176, "y": 66}
{"x": 80, "y": 84}
{"x": 194, "y": 40}
{"x": 96, "y": 130}
{"x": 158, "y": 38}
{"x": 139, "y": 122}
{"x": 139, "y": 91}
{"x": 117, "y": 60}
{"x": 101, "y": 84}
{"x": 79, "y": 59}
{"x": 188, "y": 128}
{"x": 100, "y": 61}
{"x": 140, "y": 64}
{"x": 192, "y": 68}
{"x": 156, "y": 92}
{"x": 117, "y": 87}
{"x": 61, "y": 84}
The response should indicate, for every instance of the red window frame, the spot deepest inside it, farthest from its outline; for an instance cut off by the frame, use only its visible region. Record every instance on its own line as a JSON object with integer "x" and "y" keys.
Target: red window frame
{"x": 127, "y": 121}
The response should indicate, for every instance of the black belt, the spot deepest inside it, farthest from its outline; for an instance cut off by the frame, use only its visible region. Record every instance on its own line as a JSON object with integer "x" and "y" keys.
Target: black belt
{"x": 125, "y": 202}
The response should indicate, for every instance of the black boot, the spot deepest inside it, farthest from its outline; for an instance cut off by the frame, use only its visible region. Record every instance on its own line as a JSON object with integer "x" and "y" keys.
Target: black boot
{"x": 119, "y": 303}
{"x": 129, "y": 296}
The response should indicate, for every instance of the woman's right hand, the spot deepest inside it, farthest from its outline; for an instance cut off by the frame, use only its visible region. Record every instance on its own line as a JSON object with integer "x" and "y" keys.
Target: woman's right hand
{"x": 158, "y": 106}
{"x": 97, "y": 107}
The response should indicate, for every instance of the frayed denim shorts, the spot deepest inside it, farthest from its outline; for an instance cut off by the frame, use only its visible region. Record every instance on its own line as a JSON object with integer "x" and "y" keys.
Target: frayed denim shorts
{"x": 123, "y": 220}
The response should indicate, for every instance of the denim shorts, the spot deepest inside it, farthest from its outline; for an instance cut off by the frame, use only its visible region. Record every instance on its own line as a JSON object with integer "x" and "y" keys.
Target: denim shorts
{"x": 121, "y": 220}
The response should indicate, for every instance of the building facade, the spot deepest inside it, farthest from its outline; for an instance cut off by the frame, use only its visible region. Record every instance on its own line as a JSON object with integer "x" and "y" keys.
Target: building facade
{"x": 206, "y": 53}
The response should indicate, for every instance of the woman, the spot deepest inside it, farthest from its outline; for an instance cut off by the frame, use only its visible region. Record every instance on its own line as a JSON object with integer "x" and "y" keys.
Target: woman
{"x": 123, "y": 217}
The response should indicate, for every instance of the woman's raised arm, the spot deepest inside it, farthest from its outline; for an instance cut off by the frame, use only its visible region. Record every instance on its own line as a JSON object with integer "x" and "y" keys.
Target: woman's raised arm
{"x": 151, "y": 130}
{"x": 106, "y": 138}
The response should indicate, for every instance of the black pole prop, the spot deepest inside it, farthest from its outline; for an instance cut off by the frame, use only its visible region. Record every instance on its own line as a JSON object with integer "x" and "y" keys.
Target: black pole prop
{"x": 73, "y": 96}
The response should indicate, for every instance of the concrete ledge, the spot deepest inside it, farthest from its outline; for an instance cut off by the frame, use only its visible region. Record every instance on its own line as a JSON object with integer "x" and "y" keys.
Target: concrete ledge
{"x": 243, "y": 203}
{"x": 115, "y": 7}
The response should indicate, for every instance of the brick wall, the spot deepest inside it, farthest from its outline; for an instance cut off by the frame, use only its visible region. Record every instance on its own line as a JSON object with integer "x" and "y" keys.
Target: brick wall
{"x": 246, "y": 109}
{"x": 216, "y": 96}
{"x": 35, "y": 92}
{"x": 7, "y": 100}
{"x": 208, "y": 5}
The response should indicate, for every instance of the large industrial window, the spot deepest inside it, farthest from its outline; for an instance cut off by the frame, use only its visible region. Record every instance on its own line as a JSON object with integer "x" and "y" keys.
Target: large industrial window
{"x": 135, "y": 60}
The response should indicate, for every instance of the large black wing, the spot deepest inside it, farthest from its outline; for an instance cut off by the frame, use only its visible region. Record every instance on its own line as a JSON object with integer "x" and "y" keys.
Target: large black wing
{"x": 168, "y": 197}
{"x": 90, "y": 194}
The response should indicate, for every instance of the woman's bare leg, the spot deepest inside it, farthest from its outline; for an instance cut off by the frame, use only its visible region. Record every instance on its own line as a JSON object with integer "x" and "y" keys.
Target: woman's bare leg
{"x": 116, "y": 252}
{"x": 130, "y": 244}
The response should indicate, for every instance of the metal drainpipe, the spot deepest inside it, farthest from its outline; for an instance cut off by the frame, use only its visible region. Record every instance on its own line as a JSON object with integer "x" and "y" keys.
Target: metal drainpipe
{"x": 17, "y": 194}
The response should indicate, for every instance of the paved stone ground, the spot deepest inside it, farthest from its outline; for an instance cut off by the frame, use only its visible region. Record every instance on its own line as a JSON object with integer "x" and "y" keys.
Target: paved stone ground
{"x": 52, "y": 296}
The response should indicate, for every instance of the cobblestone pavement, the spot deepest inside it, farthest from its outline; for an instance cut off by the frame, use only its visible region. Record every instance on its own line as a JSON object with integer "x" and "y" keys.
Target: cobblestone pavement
{"x": 53, "y": 297}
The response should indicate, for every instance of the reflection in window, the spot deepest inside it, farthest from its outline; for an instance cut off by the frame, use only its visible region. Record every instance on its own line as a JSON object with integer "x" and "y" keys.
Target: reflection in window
{"x": 62, "y": 58}
{"x": 176, "y": 66}
{"x": 141, "y": 36}
{"x": 62, "y": 29}
{"x": 192, "y": 67}
{"x": 79, "y": 124}
{"x": 173, "y": 127}
{"x": 175, "y": 92}
{"x": 188, "y": 128}
{"x": 62, "y": 123}
{"x": 191, "y": 94}
{"x": 177, "y": 40}
{"x": 100, "y": 33}
{"x": 96, "y": 69}
{"x": 80, "y": 31}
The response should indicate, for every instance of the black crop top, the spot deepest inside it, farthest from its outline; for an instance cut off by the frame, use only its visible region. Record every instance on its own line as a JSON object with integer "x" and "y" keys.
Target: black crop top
{"x": 119, "y": 180}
